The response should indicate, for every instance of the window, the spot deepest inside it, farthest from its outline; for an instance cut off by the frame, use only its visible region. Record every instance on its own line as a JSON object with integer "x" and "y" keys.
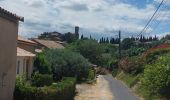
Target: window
{"x": 18, "y": 66}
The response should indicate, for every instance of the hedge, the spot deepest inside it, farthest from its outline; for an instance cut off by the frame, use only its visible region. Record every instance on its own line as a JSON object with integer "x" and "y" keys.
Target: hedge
{"x": 40, "y": 80}
{"x": 63, "y": 90}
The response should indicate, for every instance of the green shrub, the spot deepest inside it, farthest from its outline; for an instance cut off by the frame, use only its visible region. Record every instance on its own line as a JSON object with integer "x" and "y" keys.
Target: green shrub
{"x": 89, "y": 49}
{"x": 104, "y": 59}
{"x": 129, "y": 79}
{"x": 40, "y": 80}
{"x": 68, "y": 64}
{"x": 156, "y": 78}
{"x": 133, "y": 65}
{"x": 23, "y": 90}
{"x": 115, "y": 72}
{"x": 127, "y": 43}
{"x": 64, "y": 90}
{"x": 153, "y": 55}
{"x": 41, "y": 64}
{"x": 112, "y": 64}
{"x": 92, "y": 74}
{"x": 135, "y": 51}
{"x": 97, "y": 53}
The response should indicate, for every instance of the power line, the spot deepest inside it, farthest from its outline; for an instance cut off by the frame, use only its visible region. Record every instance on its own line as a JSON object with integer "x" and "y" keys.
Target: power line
{"x": 161, "y": 20}
{"x": 158, "y": 24}
{"x": 151, "y": 18}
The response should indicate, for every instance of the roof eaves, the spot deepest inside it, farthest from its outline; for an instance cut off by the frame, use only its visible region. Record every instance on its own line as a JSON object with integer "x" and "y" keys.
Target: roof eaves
{"x": 8, "y": 14}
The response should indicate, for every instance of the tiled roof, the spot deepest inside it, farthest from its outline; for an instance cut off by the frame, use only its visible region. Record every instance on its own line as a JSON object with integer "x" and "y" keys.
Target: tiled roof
{"x": 20, "y": 38}
{"x": 49, "y": 44}
{"x": 24, "y": 53}
{"x": 9, "y": 14}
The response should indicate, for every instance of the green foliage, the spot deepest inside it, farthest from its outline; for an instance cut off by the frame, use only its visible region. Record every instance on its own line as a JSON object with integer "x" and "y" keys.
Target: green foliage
{"x": 109, "y": 48}
{"x": 152, "y": 56}
{"x": 156, "y": 78}
{"x": 69, "y": 37}
{"x": 68, "y": 64}
{"x": 91, "y": 75}
{"x": 104, "y": 60}
{"x": 41, "y": 64}
{"x": 63, "y": 90}
{"x": 96, "y": 53}
{"x": 90, "y": 49}
{"x": 132, "y": 65}
{"x": 22, "y": 89}
{"x": 40, "y": 80}
{"x": 112, "y": 64}
{"x": 135, "y": 51}
{"x": 115, "y": 72}
{"x": 167, "y": 37}
{"x": 127, "y": 43}
{"x": 129, "y": 79}
{"x": 109, "y": 57}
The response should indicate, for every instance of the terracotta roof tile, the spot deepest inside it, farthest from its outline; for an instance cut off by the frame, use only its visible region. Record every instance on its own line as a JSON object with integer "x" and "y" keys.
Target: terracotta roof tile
{"x": 49, "y": 44}
{"x": 24, "y": 53}
{"x": 20, "y": 38}
{"x": 7, "y": 13}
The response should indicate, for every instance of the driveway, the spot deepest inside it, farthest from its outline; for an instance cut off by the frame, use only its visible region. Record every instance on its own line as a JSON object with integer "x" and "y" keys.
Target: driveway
{"x": 106, "y": 88}
{"x": 99, "y": 91}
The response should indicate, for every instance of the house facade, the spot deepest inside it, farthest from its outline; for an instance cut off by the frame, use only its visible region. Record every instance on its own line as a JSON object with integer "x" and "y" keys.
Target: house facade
{"x": 8, "y": 40}
{"x": 25, "y": 56}
{"x": 27, "y": 50}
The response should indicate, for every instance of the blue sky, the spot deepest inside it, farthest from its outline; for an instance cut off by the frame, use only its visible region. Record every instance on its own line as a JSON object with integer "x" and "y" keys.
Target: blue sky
{"x": 95, "y": 17}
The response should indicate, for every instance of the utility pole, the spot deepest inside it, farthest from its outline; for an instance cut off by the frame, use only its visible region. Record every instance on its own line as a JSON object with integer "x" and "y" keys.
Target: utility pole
{"x": 120, "y": 45}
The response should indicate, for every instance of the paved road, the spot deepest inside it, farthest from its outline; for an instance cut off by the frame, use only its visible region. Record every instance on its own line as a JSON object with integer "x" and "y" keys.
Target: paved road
{"x": 106, "y": 88}
{"x": 99, "y": 91}
{"x": 119, "y": 90}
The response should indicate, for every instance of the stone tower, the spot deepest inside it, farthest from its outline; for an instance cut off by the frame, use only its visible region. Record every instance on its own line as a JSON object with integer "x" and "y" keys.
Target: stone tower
{"x": 77, "y": 31}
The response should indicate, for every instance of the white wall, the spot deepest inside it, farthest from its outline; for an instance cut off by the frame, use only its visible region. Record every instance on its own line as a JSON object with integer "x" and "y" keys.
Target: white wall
{"x": 22, "y": 65}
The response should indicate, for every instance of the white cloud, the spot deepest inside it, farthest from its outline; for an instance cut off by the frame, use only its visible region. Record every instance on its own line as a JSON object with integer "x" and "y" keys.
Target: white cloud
{"x": 99, "y": 16}
{"x": 165, "y": 1}
{"x": 162, "y": 34}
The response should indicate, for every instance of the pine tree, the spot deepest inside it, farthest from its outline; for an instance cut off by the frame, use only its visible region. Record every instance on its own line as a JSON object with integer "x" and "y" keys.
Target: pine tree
{"x": 90, "y": 37}
{"x": 107, "y": 40}
{"x": 82, "y": 37}
{"x": 101, "y": 40}
{"x": 141, "y": 38}
{"x": 112, "y": 40}
{"x": 104, "y": 40}
{"x": 150, "y": 39}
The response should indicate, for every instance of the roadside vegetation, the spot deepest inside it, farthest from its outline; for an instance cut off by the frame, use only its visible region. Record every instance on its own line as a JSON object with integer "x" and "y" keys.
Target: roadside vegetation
{"x": 144, "y": 67}
{"x": 147, "y": 70}
{"x": 55, "y": 75}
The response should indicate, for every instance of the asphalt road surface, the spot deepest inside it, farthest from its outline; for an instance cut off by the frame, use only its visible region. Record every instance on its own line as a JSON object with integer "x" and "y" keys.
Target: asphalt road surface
{"x": 119, "y": 90}
{"x": 106, "y": 88}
